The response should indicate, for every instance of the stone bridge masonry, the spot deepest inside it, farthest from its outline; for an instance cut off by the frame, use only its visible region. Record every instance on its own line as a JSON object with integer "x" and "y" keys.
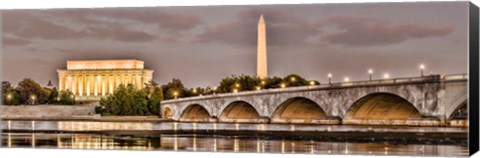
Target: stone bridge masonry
{"x": 424, "y": 101}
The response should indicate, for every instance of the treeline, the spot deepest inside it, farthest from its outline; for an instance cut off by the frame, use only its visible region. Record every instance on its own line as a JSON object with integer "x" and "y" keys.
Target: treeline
{"x": 29, "y": 92}
{"x": 131, "y": 101}
{"x": 232, "y": 84}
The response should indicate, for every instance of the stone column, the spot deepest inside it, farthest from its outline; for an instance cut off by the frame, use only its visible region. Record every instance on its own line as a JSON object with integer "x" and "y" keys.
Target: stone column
{"x": 92, "y": 85}
{"x": 110, "y": 83}
{"x": 61, "y": 82}
{"x": 138, "y": 80}
{"x": 102, "y": 84}
{"x": 88, "y": 84}
{"x": 124, "y": 79}
{"x": 80, "y": 85}
{"x": 97, "y": 83}
{"x": 68, "y": 83}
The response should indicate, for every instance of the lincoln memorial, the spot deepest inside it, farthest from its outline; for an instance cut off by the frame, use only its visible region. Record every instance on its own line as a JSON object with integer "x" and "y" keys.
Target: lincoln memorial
{"x": 90, "y": 80}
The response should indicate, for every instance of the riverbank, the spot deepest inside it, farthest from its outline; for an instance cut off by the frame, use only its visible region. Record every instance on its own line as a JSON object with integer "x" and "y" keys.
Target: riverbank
{"x": 154, "y": 126}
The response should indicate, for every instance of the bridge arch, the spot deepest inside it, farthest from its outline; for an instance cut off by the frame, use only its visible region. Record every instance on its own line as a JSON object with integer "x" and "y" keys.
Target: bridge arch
{"x": 460, "y": 112}
{"x": 239, "y": 110}
{"x": 298, "y": 108}
{"x": 381, "y": 106}
{"x": 195, "y": 112}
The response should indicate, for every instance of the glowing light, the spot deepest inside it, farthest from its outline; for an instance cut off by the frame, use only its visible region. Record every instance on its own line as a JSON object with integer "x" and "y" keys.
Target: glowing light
{"x": 346, "y": 79}
{"x": 262, "y": 127}
{"x": 386, "y": 76}
{"x": 263, "y": 82}
{"x": 258, "y": 88}
{"x": 283, "y": 85}
{"x": 235, "y": 90}
{"x": 422, "y": 67}
{"x": 194, "y": 90}
{"x": 33, "y": 97}
{"x": 312, "y": 83}
{"x": 370, "y": 71}
{"x": 293, "y": 79}
{"x": 329, "y": 75}
{"x": 237, "y": 85}
{"x": 9, "y": 96}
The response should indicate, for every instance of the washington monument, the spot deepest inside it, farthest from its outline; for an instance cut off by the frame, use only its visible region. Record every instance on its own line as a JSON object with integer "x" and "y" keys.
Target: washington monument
{"x": 262, "y": 49}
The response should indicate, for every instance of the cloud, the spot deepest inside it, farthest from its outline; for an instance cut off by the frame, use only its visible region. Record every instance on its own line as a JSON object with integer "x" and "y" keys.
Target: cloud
{"x": 9, "y": 41}
{"x": 119, "y": 24}
{"x": 361, "y": 31}
{"x": 241, "y": 30}
{"x": 27, "y": 25}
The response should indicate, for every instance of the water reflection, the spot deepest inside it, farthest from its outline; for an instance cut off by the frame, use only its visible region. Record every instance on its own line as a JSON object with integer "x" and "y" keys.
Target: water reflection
{"x": 194, "y": 142}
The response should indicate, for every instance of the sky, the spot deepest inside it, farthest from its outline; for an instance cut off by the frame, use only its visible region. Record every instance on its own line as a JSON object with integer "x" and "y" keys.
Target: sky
{"x": 203, "y": 44}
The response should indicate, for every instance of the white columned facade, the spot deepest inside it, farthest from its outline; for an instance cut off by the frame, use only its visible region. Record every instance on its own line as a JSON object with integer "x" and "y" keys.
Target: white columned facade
{"x": 91, "y": 80}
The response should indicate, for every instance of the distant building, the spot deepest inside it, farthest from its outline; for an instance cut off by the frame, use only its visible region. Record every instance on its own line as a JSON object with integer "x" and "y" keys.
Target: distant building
{"x": 90, "y": 80}
{"x": 50, "y": 85}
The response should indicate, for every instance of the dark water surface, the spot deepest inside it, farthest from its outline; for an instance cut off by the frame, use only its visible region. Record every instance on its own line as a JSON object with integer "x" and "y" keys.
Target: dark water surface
{"x": 214, "y": 143}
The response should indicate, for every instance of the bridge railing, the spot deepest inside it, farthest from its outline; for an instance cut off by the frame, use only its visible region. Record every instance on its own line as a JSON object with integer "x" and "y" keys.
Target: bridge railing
{"x": 454, "y": 77}
{"x": 391, "y": 81}
{"x": 430, "y": 78}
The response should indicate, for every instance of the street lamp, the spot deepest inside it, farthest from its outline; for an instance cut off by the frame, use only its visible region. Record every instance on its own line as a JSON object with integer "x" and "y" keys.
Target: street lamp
{"x": 346, "y": 79}
{"x": 263, "y": 82}
{"x": 386, "y": 76}
{"x": 194, "y": 91}
{"x": 312, "y": 83}
{"x": 33, "y": 97}
{"x": 237, "y": 85}
{"x": 422, "y": 67}
{"x": 175, "y": 94}
{"x": 370, "y": 72}
{"x": 9, "y": 98}
{"x": 329, "y": 78}
{"x": 293, "y": 79}
{"x": 258, "y": 88}
{"x": 235, "y": 90}
{"x": 283, "y": 85}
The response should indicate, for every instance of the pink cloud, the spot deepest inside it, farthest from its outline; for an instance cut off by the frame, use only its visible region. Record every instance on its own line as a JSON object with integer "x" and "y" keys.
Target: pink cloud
{"x": 360, "y": 31}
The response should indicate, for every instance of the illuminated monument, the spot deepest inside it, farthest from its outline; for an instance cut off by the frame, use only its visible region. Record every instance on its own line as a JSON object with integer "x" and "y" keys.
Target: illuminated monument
{"x": 262, "y": 49}
{"x": 93, "y": 79}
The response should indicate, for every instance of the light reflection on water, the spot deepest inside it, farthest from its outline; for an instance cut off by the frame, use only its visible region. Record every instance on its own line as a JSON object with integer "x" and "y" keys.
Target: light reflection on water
{"x": 192, "y": 142}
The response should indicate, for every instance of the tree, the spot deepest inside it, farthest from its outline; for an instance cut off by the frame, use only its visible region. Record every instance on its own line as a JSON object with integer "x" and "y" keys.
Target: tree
{"x": 293, "y": 80}
{"x": 154, "y": 101}
{"x": 31, "y": 92}
{"x": 273, "y": 82}
{"x": 9, "y": 94}
{"x": 194, "y": 92}
{"x": 129, "y": 101}
{"x": 53, "y": 97}
{"x": 65, "y": 98}
{"x": 238, "y": 83}
{"x": 173, "y": 89}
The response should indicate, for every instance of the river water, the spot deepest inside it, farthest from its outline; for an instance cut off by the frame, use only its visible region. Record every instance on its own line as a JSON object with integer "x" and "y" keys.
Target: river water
{"x": 216, "y": 143}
